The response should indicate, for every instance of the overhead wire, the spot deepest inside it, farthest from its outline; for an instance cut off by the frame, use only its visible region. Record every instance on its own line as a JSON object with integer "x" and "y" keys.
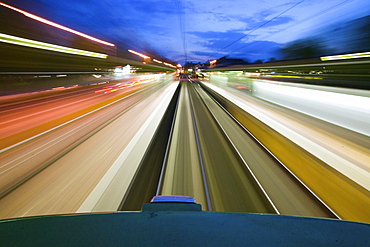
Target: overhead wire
{"x": 255, "y": 29}
{"x": 307, "y": 19}
{"x": 181, "y": 20}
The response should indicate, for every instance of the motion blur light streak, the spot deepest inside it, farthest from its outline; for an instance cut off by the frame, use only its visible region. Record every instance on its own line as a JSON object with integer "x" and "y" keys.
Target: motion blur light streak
{"x": 314, "y": 101}
{"x": 37, "y": 18}
{"x": 147, "y": 57}
{"x": 114, "y": 88}
{"x": 296, "y": 76}
{"x": 170, "y": 65}
{"x": 139, "y": 54}
{"x": 46, "y": 46}
{"x": 346, "y": 56}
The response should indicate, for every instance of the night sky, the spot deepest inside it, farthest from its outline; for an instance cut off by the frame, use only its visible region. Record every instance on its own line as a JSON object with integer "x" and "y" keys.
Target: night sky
{"x": 194, "y": 30}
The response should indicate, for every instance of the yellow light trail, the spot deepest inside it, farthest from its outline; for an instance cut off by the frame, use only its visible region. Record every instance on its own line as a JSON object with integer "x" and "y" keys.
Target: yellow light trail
{"x": 46, "y": 46}
{"x": 295, "y": 76}
{"x": 37, "y": 18}
{"x": 346, "y": 56}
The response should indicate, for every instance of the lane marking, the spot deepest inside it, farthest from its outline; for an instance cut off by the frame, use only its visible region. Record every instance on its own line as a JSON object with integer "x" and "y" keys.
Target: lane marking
{"x": 127, "y": 163}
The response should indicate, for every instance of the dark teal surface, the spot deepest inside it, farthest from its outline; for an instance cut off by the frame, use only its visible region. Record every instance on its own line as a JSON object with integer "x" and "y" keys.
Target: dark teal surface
{"x": 155, "y": 227}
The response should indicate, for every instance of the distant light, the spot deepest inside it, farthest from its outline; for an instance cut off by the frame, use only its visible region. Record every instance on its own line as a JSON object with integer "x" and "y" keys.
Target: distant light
{"x": 139, "y": 54}
{"x": 37, "y": 18}
{"x": 179, "y": 65}
{"x": 122, "y": 70}
{"x": 157, "y": 61}
{"x": 346, "y": 56}
{"x": 46, "y": 46}
{"x": 213, "y": 62}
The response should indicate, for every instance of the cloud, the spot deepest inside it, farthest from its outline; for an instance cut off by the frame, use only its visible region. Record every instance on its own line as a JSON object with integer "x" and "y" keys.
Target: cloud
{"x": 282, "y": 20}
{"x": 263, "y": 50}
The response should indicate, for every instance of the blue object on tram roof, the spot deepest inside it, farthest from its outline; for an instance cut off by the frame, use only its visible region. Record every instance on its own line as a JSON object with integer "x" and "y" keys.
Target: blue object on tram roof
{"x": 179, "y": 199}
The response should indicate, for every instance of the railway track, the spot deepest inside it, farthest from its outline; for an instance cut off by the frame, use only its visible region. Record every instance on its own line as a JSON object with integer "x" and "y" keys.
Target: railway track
{"x": 201, "y": 151}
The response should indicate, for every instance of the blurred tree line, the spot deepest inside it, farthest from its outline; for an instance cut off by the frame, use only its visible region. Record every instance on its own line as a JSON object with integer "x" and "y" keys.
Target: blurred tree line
{"x": 353, "y": 36}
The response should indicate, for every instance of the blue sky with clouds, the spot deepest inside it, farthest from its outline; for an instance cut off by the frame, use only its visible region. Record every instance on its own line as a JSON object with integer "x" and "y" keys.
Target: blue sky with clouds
{"x": 200, "y": 30}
